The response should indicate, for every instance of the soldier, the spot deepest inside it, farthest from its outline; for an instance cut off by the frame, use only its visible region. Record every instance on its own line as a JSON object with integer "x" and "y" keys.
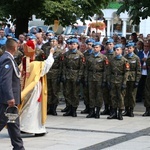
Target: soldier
{"x": 53, "y": 78}
{"x": 133, "y": 80}
{"x": 87, "y": 54}
{"x": 119, "y": 74}
{"x": 110, "y": 54}
{"x": 147, "y": 90}
{"x": 63, "y": 79}
{"x": 73, "y": 71}
{"x": 96, "y": 78}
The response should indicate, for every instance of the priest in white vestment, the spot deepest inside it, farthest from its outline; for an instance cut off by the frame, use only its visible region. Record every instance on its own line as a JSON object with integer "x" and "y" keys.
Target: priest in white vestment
{"x": 33, "y": 109}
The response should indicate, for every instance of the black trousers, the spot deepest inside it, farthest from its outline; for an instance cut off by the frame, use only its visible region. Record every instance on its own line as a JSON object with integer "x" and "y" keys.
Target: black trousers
{"x": 141, "y": 88}
{"x": 13, "y": 129}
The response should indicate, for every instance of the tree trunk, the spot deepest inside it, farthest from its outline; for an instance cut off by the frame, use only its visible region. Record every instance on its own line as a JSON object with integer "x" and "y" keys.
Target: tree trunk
{"x": 21, "y": 26}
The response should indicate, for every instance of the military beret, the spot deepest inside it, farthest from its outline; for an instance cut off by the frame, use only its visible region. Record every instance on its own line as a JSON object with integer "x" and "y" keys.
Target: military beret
{"x": 15, "y": 39}
{"x": 28, "y": 34}
{"x": 109, "y": 41}
{"x": 68, "y": 41}
{"x": 9, "y": 34}
{"x": 32, "y": 37}
{"x": 97, "y": 43}
{"x": 74, "y": 40}
{"x": 54, "y": 38}
{"x": 130, "y": 44}
{"x": 49, "y": 31}
{"x": 90, "y": 41}
{"x": 118, "y": 46}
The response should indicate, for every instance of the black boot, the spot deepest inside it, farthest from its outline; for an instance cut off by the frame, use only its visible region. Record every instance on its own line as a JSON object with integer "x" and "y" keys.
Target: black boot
{"x": 147, "y": 112}
{"x": 106, "y": 111}
{"x": 113, "y": 115}
{"x": 97, "y": 115}
{"x": 50, "y": 108}
{"x": 120, "y": 114}
{"x": 86, "y": 110}
{"x": 74, "y": 113}
{"x": 54, "y": 113}
{"x": 69, "y": 112}
{"x": 91, "y": 113}
{"x": 65, "y": 109}
{"x": 126, "y": 112}
{"x": 131, "y": 114}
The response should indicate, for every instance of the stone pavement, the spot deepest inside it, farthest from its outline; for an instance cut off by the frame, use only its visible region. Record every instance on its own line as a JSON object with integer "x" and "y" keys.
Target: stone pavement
{"x": 80, "y": 133}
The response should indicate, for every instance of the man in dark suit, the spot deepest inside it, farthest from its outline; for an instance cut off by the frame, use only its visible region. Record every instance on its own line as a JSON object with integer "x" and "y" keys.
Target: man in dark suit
{"x": 10, "y": 92}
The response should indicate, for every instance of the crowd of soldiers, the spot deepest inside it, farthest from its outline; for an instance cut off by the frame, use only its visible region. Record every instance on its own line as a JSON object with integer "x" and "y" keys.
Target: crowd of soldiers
{"x": 114, "y": 72}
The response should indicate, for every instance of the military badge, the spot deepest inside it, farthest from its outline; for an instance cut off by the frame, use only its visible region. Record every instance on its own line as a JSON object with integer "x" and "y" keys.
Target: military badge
{"x": 7, "y": 66}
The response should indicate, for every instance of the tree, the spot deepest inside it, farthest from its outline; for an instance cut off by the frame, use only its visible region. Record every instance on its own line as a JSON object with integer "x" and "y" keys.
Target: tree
{"x": 66, "y": 11}
{"x": 136, "y": 8}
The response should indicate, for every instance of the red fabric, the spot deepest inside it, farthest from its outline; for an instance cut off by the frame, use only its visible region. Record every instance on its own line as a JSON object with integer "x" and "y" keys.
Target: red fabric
{"x": 30, "y": 44}
{"x": 40, "y": 98}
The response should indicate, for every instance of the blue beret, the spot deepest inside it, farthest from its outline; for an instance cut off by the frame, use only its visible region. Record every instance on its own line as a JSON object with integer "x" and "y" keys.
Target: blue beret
{"x": 97, "y": 43}
{"x": 74, "y": 40}
{"x": 49, "y": 31}
{"x": 16, "y": 39}
{"x": 68, "y": 41}
{"x": 109, "y": 41}
{"x": 90, "y": 41}
{"x": 9, "y": 34}
{"x": 28, "y": 34}
{"x": 130, "y": 44}
{"x": 32, "y": 37}
{"x": 118, "y": 46}
{"x": 54, "y": 38}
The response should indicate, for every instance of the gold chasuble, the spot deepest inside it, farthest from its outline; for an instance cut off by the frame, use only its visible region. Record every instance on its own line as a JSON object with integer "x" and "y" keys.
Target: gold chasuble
{"x": 36, "y": 68}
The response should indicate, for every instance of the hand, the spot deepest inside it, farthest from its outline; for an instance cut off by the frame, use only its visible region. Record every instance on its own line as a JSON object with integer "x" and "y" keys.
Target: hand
{"x": 123, "y": 87}
{"x": 109, "y": 85}
{"x": 11, "y": 103}
{"x": 144, "y": 59}
{"x": 103, "y": 85}
{"x": 136, "y": 84}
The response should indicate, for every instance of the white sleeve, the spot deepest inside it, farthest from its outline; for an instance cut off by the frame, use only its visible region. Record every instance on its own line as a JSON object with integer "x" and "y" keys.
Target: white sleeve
{"x": 47, "y": 64}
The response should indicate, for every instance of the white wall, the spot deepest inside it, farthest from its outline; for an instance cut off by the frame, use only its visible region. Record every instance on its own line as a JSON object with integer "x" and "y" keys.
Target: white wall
{"x": 145, "y": 26}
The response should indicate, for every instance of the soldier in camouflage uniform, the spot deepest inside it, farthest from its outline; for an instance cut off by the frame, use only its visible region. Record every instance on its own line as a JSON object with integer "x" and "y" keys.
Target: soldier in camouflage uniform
{"x": 133, "y": 80}
{"x": 119, "y": 74}
{"x": 96, "y": 77}
{"x": 63, "y": 79}
{"x": 110, "y": 54}
{"x": 73, "y": 71}
{"x": 53, "y": 78}
{"x": 87, "y": 54}
{"x": 147, "y": 89}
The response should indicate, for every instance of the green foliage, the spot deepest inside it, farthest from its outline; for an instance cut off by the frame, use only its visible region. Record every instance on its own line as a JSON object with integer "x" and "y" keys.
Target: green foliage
{"x": 136, "y": 8}
{"x": 66, "y": 11}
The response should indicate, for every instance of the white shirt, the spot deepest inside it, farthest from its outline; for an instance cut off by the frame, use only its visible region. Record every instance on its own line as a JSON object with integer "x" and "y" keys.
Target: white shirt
{"x": 144, "y": 71}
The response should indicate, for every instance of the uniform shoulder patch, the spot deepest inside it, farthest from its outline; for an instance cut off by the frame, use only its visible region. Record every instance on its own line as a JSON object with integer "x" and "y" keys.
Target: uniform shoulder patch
{"x": 7, "y": 66}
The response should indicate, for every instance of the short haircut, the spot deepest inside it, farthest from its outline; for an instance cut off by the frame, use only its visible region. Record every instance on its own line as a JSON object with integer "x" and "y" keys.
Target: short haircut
{"x": 10, "y": 43}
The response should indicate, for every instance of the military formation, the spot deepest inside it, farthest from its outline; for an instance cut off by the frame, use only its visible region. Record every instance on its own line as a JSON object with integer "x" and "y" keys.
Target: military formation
{"x": 106, "y": 73}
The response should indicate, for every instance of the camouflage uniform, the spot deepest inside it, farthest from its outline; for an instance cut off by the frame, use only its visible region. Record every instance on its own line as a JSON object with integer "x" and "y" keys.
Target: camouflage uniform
{"x": 87, "y": 55}
{"x": 53, "y": 82}
{"x": 147, "y": 90}
{"x": 106, "y": 91}
{"x": 132, "y": 83}
{"x": 72, "y": 72}
{"x": 96, "y": 75}
{"x": 119, "y": 74}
